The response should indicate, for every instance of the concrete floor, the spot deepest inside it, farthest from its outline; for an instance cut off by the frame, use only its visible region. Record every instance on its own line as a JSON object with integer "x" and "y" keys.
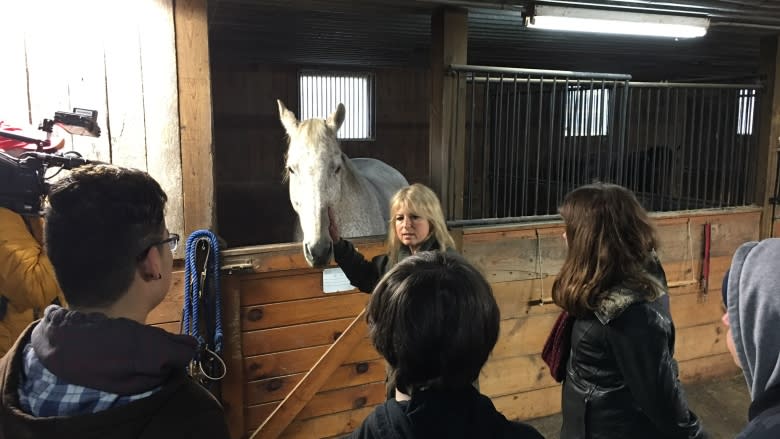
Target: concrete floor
{"x": 722, "y": 406}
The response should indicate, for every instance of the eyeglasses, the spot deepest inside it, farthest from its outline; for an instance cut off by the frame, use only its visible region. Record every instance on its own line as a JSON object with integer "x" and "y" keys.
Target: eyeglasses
{"x": 172, "y": 241}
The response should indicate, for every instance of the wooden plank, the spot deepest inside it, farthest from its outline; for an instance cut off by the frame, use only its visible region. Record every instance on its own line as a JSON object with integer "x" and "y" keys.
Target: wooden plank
{"x": 506, "y": 376}
{"x": 523, "y": 336}
{"x": 776, "y": 233}
{"x": 286, "y": 257}
{"x": 518, "y": 255}
{"x": 326, "y": 426}
{"x": 449, "y": 41}
{"x": 161, "y": 122}
{"x": 195, "y": 121}
{"x": 705, "y": 368}
{"x": 311, "y": 383}
{"x": 325, "y": 403}
{"x": 233, "y": 398}
{"x": 14, "y": 106}
{"x": 530, "y": 405}
{"x": 282, "y": 288}
{"x": 125, "y": 88}
{"x": 300, "y": 360}
{"x": 347, "y": 375}
{"x": 296, "y": 312}
{"x": 266, "y": 341}
{"x": 169, "y": 310}
{"x": 768, "y": 130}
{"x": 700, "y": 341}
{"x": 695, "y": 309}
{"x": 85, "y": 70}
{"x": 513, "y": 297}
{"x": 48, "y": 87}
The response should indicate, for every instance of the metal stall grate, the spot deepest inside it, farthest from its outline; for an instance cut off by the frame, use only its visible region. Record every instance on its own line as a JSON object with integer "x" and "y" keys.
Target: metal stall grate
{"x": 533, "y": 135}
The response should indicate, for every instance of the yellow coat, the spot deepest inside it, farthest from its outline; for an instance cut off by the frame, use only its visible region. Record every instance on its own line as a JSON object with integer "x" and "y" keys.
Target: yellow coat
{"x": 27, "y": 277}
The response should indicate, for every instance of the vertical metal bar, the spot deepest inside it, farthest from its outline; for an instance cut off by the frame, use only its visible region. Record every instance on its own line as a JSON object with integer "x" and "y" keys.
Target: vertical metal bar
{"x": 538, "y": 145}
{"x": 699, "y": 147}
{"x": 469, "y": 214}
{"x": 718, "y": 190}
{"x": 707, "y": 150}
{"x": 691, "y": 146}
{"x": 501, "y": 177}
{"x": 666, "y": 164}
{"x": 512, "y": 186}
{"x": 485, "y": 147}
{"x": 678, "y": 152}
{"x": 526, "y": 144}
{"x": 563, "y": 156}
{"x": 731, "y": 180}
{"x": 550, "y": 148}
{"x": 627, "y": 118}
{"x": 656, "y": 154}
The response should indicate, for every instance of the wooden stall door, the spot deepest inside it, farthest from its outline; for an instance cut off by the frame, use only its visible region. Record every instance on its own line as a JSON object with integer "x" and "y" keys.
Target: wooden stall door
{"x": 285, "y": 323}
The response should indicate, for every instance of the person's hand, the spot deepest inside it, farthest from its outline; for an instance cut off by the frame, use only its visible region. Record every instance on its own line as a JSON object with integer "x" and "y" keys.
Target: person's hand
{"x": 333, "y": 228}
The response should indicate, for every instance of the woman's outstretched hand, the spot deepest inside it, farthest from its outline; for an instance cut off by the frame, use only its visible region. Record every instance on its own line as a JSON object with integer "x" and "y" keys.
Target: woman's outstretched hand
{"x": 333, "y": 228}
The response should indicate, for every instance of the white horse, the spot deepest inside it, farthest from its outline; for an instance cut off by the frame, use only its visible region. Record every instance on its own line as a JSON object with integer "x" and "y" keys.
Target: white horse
{"x": 321, "y": 176}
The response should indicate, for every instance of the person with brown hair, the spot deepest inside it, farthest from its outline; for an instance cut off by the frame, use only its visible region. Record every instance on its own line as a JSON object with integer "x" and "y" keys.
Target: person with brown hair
{"x": 620, "y": 380}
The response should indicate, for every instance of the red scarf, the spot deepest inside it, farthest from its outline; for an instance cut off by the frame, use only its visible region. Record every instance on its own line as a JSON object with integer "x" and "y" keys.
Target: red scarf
{"x": 556, "y": 349}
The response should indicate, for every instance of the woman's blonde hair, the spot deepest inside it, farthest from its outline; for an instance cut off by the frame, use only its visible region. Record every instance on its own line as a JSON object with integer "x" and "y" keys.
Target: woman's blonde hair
{"x": 610, "y": 239}
{"x": 423, "y": 202}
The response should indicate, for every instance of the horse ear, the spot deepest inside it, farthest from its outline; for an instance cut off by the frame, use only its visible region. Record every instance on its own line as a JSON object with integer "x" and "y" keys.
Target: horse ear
{"x": 336, "y": 118}
{"x": 287, "y": 117}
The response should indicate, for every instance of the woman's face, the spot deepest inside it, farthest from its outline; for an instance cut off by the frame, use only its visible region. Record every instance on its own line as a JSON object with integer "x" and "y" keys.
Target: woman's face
{"x": 410, "y": 228}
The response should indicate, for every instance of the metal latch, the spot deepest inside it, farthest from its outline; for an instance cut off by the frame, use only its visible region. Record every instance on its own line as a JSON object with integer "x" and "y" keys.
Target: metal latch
{"x": 238, "y": 265}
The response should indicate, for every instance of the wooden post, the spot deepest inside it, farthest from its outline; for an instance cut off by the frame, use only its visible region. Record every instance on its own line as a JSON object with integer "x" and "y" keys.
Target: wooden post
{"x": 449, "y": 38}
{"x": 768, "y": 133}
{"x": 233, "y": 383}
{"x": 195, "y": 121}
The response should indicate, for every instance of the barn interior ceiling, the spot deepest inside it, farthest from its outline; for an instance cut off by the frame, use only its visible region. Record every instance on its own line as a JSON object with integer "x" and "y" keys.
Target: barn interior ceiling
{"x": 387, "y": 33}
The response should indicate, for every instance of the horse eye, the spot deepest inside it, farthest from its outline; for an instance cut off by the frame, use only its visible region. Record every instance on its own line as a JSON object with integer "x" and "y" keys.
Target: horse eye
{"x": 290, "y": 170}
{"x": 338, "y": 168}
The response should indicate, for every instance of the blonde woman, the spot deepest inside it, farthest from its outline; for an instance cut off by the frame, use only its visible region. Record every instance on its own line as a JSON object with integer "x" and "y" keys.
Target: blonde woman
{"x": 416, "y": 224}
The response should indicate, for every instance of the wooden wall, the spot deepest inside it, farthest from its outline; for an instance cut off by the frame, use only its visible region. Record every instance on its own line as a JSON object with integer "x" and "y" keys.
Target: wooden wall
{"x": 118, "y": 58}
{"x": 253, "y": 205}
{"x": 282, "y": 322}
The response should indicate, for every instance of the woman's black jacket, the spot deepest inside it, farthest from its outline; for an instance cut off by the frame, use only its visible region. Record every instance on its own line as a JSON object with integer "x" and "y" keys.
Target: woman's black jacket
{"x": 621, "y": 380}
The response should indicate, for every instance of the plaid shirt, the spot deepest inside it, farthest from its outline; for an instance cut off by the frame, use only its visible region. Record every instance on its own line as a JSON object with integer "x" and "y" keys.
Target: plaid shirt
{"x": 43, "y": 394}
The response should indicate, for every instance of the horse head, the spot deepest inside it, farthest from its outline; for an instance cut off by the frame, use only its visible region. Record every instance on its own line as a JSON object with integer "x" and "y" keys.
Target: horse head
{"x": 314, "y": 168}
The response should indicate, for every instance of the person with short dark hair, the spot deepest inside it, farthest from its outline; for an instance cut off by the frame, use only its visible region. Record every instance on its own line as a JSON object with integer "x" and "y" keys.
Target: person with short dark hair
{"x": 751, "y": 295}
{"x": 434, "y": 319}
{"x": 96, "y": 370}
{"x": 621, "y": 380}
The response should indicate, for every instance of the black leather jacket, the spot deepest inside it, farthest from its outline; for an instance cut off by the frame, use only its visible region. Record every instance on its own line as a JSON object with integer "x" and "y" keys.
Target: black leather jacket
{"x": 621, "y": 380}
{"x": 365, "y": 274}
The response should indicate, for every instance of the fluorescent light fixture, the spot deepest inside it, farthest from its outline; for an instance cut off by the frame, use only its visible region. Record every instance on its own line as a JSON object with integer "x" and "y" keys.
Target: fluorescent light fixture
{"x": 616, "y": 22}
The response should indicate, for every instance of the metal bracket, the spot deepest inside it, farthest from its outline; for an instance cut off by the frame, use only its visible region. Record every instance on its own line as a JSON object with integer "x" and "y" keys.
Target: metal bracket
{"x": 238, "y": 266}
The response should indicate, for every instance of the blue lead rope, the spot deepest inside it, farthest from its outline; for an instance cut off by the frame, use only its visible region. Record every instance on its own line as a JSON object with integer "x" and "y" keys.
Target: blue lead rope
{"x": 194, "y": 284}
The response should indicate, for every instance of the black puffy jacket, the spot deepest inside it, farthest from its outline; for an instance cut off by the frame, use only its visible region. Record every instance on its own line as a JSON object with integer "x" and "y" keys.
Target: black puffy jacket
{"x": 621, "y": 380}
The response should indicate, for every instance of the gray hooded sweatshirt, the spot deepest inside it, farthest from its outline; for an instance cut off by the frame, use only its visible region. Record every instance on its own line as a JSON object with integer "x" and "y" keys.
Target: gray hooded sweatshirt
{"x": 753, "y": 300}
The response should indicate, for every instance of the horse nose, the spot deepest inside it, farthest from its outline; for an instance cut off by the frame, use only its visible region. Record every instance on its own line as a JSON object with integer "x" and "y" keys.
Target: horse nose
{"x": 318, "y": 254}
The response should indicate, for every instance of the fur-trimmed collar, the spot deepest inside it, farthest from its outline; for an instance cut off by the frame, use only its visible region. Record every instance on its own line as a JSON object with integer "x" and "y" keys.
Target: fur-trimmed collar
{"x": 617, "y": 300}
